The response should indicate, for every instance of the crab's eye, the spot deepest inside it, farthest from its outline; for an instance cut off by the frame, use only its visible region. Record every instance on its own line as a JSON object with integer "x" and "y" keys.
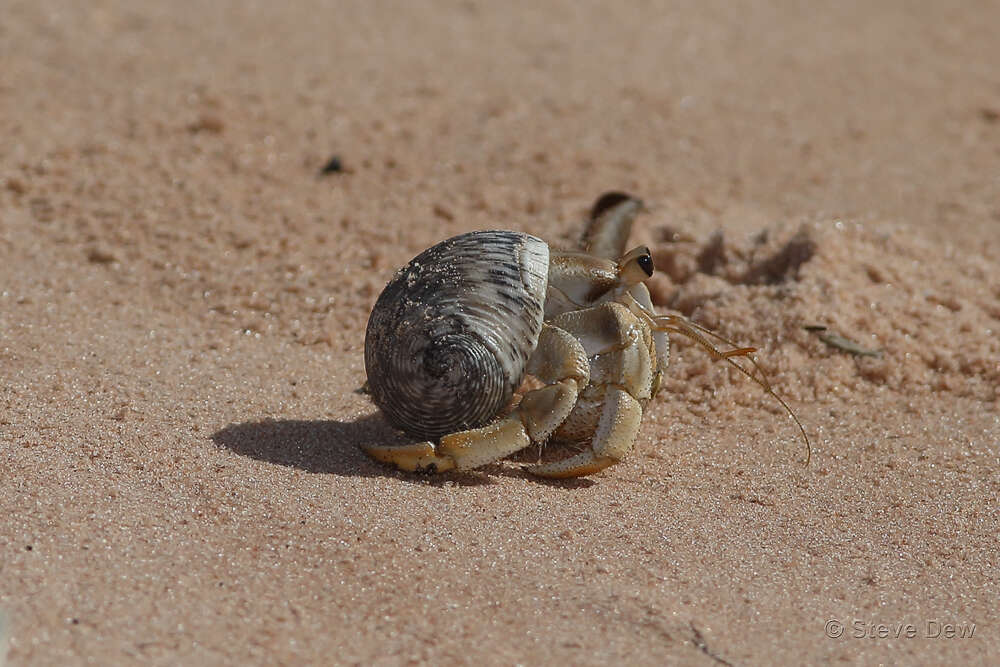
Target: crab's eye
{"x": 636, "y": 266}
{"x": 646, "y": 263}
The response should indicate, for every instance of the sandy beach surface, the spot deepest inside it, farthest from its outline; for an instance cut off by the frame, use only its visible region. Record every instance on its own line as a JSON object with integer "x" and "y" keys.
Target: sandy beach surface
{"x": 183, "y": 298}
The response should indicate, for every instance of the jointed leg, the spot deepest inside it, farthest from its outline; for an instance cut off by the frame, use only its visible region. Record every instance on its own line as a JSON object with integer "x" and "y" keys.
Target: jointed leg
{"x": 661, "y": 341}
{"x": 622, "y": 379}
{"x": 615, "y": 436}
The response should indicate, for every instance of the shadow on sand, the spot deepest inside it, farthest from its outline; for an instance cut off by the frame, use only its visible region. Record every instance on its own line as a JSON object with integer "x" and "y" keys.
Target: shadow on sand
{"x": 334, "y": 447}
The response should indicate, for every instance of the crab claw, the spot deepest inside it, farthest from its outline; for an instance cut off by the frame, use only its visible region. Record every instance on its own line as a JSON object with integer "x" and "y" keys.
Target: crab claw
{"x": 411, "y": 458}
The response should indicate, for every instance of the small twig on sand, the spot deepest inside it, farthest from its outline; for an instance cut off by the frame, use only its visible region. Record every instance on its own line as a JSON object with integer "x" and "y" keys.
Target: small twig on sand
{"x": 699, "y": 642}
{"x": 842, "y": 343}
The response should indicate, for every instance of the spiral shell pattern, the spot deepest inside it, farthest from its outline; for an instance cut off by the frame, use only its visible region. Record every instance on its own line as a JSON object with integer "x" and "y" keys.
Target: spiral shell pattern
{"x": 449, "y": 337}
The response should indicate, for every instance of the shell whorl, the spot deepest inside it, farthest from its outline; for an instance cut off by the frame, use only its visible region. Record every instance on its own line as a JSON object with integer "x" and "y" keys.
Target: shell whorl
{"x": 449, "y": 337}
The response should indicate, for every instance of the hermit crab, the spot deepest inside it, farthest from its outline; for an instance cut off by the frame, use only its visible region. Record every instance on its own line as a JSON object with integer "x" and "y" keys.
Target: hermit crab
{"x": 456, "y": 332}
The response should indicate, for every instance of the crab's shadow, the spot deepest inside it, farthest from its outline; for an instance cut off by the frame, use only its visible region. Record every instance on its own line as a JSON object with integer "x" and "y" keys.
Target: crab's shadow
{"x": 334, "y": 447}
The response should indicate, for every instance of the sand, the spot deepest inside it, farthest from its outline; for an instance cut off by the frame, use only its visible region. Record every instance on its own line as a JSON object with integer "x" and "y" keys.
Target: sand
{"x": 183, "y": 298}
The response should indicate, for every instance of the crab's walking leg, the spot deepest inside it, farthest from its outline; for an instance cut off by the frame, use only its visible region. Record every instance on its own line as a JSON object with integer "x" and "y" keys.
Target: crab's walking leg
{"x": 622, "y": 378}
{"x": 640, "y": 293}
{"x": 417, "y": 456}
{"x": 616, "y": 432}
{"x": 560, "y": 361}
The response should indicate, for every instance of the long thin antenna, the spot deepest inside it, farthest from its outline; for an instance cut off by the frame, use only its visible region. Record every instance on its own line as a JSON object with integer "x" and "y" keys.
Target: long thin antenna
{"x": 685, "y": 327}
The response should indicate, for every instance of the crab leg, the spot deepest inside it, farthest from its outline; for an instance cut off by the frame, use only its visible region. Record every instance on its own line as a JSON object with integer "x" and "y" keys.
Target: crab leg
{"x": 560, "y": 361}
{"x": 640, "y": 293}
{"x": 616, "y": 432}
{"x": 622, "y": 379}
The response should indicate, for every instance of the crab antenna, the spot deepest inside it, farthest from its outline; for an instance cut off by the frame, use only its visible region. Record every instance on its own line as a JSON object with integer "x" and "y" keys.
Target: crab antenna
{"x": 685, "y": 327}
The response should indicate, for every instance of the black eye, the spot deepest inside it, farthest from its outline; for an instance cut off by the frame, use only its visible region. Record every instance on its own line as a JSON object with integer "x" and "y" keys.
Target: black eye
{"x": 646, "y": 263}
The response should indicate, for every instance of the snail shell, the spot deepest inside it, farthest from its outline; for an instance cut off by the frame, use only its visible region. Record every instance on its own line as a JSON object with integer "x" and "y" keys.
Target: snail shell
{"x": 449, "y": 337}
